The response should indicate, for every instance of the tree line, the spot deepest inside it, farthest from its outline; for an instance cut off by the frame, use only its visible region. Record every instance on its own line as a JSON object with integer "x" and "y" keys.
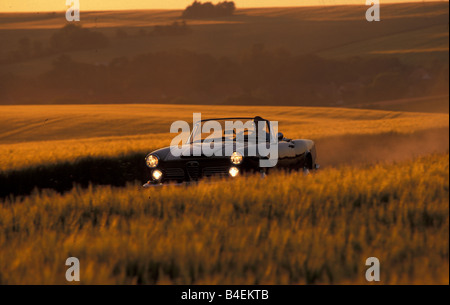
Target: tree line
{"x": 260, "y": 76}
{"x": 73, "y": 37}
{"x": 209, "y": 10}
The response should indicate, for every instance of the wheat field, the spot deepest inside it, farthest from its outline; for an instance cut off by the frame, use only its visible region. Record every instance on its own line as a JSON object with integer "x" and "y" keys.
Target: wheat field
{"x": 39, "y": 135}
{"x": 285, "y": 229}
{"x": 71, "y": 175}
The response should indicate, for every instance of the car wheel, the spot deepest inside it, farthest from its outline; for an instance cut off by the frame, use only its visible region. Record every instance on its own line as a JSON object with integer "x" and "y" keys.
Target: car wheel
{"x": 309, "y": 162}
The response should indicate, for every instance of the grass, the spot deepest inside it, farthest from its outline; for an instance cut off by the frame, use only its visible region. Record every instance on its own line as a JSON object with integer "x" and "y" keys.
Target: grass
{"x": 49, "y": 134}
{"x": 285, "y": 229}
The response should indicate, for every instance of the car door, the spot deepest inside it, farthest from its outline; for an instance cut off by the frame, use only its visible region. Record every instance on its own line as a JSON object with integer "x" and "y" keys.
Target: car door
{"x": 286, "y": 154}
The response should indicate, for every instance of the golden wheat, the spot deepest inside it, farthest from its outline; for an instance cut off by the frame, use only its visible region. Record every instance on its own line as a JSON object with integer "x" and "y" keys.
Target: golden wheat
{"x": 285, "y": 229}
{"x": 39, "y": 135}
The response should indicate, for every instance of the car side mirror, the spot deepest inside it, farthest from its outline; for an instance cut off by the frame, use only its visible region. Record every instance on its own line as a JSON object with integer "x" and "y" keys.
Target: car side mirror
{"x": 280, "y": 136}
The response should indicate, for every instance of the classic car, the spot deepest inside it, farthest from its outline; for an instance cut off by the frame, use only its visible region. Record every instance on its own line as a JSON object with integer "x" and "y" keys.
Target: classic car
{"x": 165, "y": 166}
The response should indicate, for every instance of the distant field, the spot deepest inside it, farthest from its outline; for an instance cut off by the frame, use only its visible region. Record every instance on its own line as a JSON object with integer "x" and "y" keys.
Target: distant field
{"x": 437, "y": 104}
{"x": 415, "y": 32}
{"x": 285, "y": 229}
{"x": 39, "y": 135}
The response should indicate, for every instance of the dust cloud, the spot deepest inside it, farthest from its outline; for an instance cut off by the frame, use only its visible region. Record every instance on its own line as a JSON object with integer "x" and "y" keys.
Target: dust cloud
{"x": 386, "y": 147}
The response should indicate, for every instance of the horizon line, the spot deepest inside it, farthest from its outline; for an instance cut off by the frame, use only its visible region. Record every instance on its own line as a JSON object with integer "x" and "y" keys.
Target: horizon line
{"x": 392, "y": 2}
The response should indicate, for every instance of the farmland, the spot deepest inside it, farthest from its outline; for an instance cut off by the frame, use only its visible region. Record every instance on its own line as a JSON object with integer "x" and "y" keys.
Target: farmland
{"x": 51, "y": 134}
{"x": 306, "y": 56}
{"x": 81, "y": 104}
{"x": 416, "y": 31}
{"x": 383, "y": 191}
{"x": 285, "y": 229}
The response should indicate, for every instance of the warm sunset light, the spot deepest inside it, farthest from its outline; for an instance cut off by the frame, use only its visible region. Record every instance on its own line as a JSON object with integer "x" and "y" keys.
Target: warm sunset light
{"x": 221, "y": 151}
{"x": 89, "y": 5}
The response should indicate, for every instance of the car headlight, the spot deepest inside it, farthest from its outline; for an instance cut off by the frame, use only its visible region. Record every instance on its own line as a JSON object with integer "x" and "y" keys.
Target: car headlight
{"x": 152, "y": 161}
{"x": 234, "y": 171}
{"x": 236, "y": 158}
{"x": 157, "y": 174}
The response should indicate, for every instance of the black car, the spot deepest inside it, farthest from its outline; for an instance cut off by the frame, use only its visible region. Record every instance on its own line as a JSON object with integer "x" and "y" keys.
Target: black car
{"x": 236, "y": 151}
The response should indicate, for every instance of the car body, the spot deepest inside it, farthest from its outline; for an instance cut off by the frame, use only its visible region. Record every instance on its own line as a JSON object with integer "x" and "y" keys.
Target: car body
{"x": 165, "y": 167}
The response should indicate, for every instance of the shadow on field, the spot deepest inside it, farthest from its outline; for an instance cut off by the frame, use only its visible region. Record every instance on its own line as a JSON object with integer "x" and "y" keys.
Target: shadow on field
{"x": 334, "y": 151}
{"x": 63, "y": 176}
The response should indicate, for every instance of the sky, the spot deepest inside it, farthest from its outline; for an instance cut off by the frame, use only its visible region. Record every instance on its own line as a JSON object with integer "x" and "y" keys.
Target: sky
{"x": 89, "y": 5}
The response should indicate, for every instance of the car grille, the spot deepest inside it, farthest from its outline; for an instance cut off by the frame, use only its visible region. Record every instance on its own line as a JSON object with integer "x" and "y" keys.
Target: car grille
{"x": 174, "y": 173}
{"x": 192, "y": 169}
{"x": 215, "y": 171}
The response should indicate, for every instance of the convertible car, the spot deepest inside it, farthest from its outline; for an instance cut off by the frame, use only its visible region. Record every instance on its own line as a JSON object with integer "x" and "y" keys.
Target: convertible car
{"x": 165, "y": 166}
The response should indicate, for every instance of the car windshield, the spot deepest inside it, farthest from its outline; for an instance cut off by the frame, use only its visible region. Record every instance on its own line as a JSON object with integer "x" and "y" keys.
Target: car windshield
{"x": 237, "y": 130}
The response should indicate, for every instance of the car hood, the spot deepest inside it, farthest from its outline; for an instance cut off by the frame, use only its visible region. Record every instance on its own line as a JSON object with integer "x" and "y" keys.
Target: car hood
{"x": 187, "y": 152}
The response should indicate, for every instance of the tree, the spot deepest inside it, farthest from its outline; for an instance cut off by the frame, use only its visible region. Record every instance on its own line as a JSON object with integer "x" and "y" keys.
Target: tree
{"x": 209, "y": 10}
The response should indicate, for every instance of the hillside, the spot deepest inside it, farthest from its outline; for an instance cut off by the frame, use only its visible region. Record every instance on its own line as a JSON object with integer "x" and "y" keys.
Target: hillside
{"x": 50, "y": 134}
{"x": 414, "y": 31}
{"x": 305, "y": 56}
